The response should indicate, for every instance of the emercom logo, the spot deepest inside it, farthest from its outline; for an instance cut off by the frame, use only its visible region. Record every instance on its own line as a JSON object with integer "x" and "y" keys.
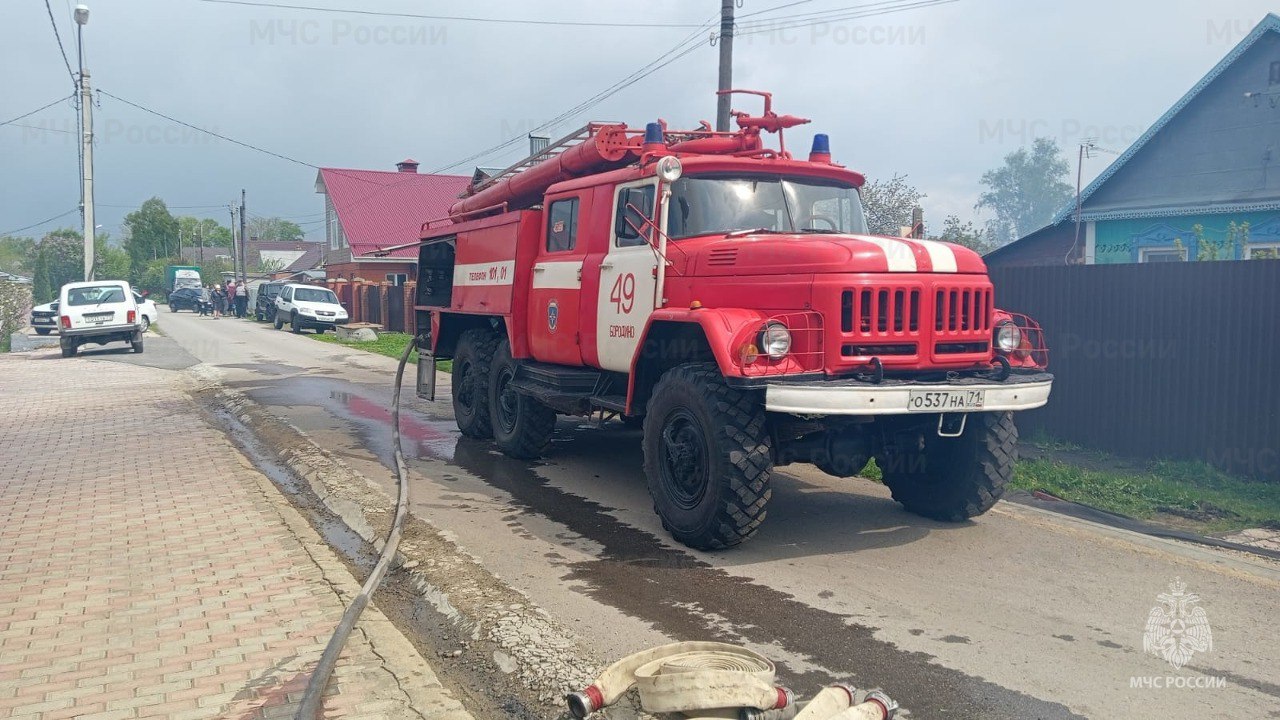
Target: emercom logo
{"x": 1178, "y": 627}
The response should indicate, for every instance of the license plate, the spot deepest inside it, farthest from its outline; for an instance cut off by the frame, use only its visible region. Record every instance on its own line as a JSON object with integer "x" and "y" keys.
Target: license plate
{"x": 99, "y": 319}
{"x": 945, "y": 400}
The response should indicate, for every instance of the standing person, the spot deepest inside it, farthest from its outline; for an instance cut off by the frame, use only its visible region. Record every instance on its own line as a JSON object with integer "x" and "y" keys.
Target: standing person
{"x": 218, "y": 298}
{"x": 230, "y": 290}
{"x": 204, "y": 300}
{"x": 242, "y": 299}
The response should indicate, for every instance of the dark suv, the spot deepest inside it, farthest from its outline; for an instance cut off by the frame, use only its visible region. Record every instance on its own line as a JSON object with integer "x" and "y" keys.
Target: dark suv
{"x": 264, "y": 306}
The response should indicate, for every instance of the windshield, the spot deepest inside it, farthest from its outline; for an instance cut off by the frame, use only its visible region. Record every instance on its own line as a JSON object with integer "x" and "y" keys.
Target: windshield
{"x": 315, "y": 295}
{"x": 95, "y": 295}
{"x": 722, "y": 204}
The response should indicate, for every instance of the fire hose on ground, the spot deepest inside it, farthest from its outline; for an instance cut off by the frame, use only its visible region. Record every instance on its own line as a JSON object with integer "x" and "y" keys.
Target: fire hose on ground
{"x": 309, "y": 708}
{"x": 705, "y": 680}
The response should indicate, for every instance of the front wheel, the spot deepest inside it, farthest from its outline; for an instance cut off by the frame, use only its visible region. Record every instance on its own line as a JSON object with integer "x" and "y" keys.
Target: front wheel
{"x": 278, "y": 323}
{"x": 951, "y": 478}
{"x": 708, "y": 457}
{"x": 522, "y": 426}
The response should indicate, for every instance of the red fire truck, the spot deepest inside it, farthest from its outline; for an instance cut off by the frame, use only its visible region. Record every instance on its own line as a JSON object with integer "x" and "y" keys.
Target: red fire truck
{"x": 728, "y": 298}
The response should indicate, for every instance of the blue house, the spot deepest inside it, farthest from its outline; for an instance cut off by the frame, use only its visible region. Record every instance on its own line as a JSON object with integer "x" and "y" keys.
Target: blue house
{"x": 1203, "y": 183}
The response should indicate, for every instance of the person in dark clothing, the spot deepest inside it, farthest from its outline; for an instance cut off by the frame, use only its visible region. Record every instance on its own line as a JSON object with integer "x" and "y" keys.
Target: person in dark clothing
{"x": 204, "y": 301}
{"x": 219, "y": 298}
{"x": 241, "y": 299}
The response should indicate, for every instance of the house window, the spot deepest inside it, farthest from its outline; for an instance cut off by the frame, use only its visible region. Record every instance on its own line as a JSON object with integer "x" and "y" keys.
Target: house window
{"x": 1262, "y": 251}
{"x": 562, "y": 225}
{"x": 397, "y": 279}
{"x": 1275, "y": 73}
{"x": 1154, "y": 255}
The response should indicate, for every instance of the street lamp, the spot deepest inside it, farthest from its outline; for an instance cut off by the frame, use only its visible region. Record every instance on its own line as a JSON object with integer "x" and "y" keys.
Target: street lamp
{"x": 86, "y": 142}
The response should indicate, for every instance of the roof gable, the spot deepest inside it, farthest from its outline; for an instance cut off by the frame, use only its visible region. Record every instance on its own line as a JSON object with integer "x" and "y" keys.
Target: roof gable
{"x": 382, "y": 209}
{"x": 1207, "y": 143}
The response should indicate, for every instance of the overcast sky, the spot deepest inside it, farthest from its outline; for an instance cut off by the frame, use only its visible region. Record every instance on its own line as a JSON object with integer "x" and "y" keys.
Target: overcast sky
{"x": 939, "y": 93}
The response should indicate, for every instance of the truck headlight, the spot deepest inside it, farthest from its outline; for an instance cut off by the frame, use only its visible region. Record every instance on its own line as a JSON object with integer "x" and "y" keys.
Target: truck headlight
{"x": 1008, "y": 337}
{"x": 775, "y": 340}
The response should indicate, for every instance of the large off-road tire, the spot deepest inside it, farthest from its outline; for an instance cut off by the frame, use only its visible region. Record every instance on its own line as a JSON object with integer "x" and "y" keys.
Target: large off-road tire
{"x": 707, "y": 458}
{"x": 952, "y": 479}
{"x": 521, "y": 425}
{"x": 471, "y": 371}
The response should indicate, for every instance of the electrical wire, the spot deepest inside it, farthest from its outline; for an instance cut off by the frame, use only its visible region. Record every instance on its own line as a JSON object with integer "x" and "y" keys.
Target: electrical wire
{"x": 58, "y": 36}
{"x": 453, "y": 18}
{"x": 309, "y": 708}
{"x": 865, "y": 11}
{"x": 42, "y": 222}
{"x": 33, "y": 112}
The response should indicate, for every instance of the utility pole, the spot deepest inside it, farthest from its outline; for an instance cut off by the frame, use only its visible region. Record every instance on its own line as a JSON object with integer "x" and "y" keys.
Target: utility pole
{"x": 726, "y": 64}
{"x": 244, "y": 271}
{"x": 200, "y": 235}
{"x": 86, "y": 140}
{"x": 232, "y": 209}
{"x": 1085, "y": 147}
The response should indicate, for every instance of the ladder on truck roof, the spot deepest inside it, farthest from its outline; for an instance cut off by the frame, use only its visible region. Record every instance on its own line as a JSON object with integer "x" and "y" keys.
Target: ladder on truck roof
{"x": 577, "y": 137}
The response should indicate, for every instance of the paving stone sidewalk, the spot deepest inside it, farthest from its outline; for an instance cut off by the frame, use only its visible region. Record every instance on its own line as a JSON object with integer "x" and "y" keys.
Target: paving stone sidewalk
{"x": 148, "y": 570}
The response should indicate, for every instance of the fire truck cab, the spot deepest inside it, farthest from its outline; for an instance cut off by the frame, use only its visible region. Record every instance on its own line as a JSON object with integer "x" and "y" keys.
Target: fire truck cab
{"x": 728, "y": 298}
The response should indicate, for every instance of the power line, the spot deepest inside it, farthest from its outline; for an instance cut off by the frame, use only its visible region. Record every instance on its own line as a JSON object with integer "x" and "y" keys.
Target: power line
{"x": 44, "y": 129}
{"x": 61, "y": 49}
{"x": 33, "y": 112}
{"x": 42, "y": 222}
{"x": 454, "y": 18}
{"x": 850, "y": 13}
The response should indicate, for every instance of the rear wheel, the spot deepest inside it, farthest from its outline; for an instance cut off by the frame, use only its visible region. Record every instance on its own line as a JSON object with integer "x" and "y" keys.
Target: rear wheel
{"x": 294, "y": 327}
{"x": 144, "y": 324}
{"x": 68, "y": 347}
{"x": 278, "y": 323}
{"x": 471, "y": 368}
{"x": 137, "y": 342}
{"x": 42, "y": 331}
{"x": 257, "y": 315}
{"x": 173, "y": 307}
{"x": 708, "y": 457}
{"x": 952, "y": 479}
{"x": 320, "y": 331}
{"x": 522, "y": 426}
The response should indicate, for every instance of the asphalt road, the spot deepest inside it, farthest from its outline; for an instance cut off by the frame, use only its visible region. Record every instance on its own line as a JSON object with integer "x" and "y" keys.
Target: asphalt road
{"x": 1018, "y": 614}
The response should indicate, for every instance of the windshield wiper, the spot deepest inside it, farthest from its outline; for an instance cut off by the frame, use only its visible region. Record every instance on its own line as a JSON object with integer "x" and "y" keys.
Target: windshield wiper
{"x": 753, "y": 231}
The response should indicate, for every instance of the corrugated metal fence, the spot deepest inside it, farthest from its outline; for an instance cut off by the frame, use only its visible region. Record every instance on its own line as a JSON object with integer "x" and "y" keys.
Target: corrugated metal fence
{"x": 1167, "y": 360}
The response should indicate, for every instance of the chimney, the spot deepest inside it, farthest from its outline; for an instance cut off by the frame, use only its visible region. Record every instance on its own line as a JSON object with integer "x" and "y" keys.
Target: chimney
{"x": 408, "y": 165}
{"x": 538, "y": 143}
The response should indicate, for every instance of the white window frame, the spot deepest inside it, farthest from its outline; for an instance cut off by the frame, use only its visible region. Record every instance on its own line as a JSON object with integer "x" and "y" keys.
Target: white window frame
{"x": 1249, "y": 248}
{"x": 1144, "y": 253}
{"x": 397, "y": 279}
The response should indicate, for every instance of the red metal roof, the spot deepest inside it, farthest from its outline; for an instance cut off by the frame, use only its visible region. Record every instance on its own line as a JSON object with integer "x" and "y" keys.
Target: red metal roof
{"x": 382, "y": 209}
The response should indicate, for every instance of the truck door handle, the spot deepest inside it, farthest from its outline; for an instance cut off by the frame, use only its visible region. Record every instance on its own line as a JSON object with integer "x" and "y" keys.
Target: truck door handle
{"x": 606, "y": 265}
{"x": 539, "y": 268}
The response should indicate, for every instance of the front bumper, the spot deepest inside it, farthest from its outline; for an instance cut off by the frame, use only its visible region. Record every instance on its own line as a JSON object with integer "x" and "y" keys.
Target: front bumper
{"x": 891, "y": 397}
{"x": 314, "y": 321}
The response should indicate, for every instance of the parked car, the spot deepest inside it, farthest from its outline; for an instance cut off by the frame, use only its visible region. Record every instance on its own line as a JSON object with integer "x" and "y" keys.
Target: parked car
{"x": 264, "y": 303}
{"x": 98, "y": 312}
{"x": 308, "y": 306}
{"x": 147, "y": 310}
{"x": 184, "y": 299}
{"x": 44, "y": 318}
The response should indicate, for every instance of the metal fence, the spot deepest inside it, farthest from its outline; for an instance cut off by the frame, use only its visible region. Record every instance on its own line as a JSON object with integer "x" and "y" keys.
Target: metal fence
{"x": 1167, "y": 360}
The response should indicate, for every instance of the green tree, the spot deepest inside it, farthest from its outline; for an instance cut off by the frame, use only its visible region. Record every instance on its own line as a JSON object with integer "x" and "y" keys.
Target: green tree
{"x": 888, "y": 204}
{"x": 109, "y": 261}
{"x": 17, "y": 254}
{"x": 966, "y": 234}
{"x": 269, "y": 229}
{"x": 194, "y": 230}
{"x": 1025, "y": 192}
{"x": 152, "y": 235}
{"x": 59, "y": 260}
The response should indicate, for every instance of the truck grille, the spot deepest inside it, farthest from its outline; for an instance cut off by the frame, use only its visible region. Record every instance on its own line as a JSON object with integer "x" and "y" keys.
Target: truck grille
{"x": 874, "y": 311}
{"x": 965, "y": 310}
{"x": 906, "y": 323}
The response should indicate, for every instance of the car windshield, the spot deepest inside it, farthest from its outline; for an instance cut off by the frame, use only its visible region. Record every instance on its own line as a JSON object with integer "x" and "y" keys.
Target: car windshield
{"x": 319, "y": 295}
{"x": 95, "y": 294}
{"x": 711, "y": 205}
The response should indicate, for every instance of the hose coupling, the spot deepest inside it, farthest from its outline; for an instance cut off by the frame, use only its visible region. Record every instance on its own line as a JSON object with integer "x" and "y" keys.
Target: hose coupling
{"x": 582, "y": 704}
{"x": 886, "y": 703}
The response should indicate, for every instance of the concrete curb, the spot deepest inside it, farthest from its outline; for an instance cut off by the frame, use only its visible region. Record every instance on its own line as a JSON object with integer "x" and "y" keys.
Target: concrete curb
{"x": 518, "y": 641}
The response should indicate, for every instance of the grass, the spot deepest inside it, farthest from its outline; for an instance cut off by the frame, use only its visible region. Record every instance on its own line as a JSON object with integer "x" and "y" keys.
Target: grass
{"x": 390, "y": 344}
{"x": 1190, "y": 495}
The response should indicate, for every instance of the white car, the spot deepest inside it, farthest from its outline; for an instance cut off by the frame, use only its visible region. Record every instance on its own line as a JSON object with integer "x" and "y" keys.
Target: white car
{"x": 44, "y": 318}
{"x": 308, "y": 306}
{"x": 98, "y": 312}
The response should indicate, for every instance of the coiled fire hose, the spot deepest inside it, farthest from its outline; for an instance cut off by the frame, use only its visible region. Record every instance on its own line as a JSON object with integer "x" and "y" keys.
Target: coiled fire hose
{"x": 309, "y": 708}
{"x": 717, "y": 680}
